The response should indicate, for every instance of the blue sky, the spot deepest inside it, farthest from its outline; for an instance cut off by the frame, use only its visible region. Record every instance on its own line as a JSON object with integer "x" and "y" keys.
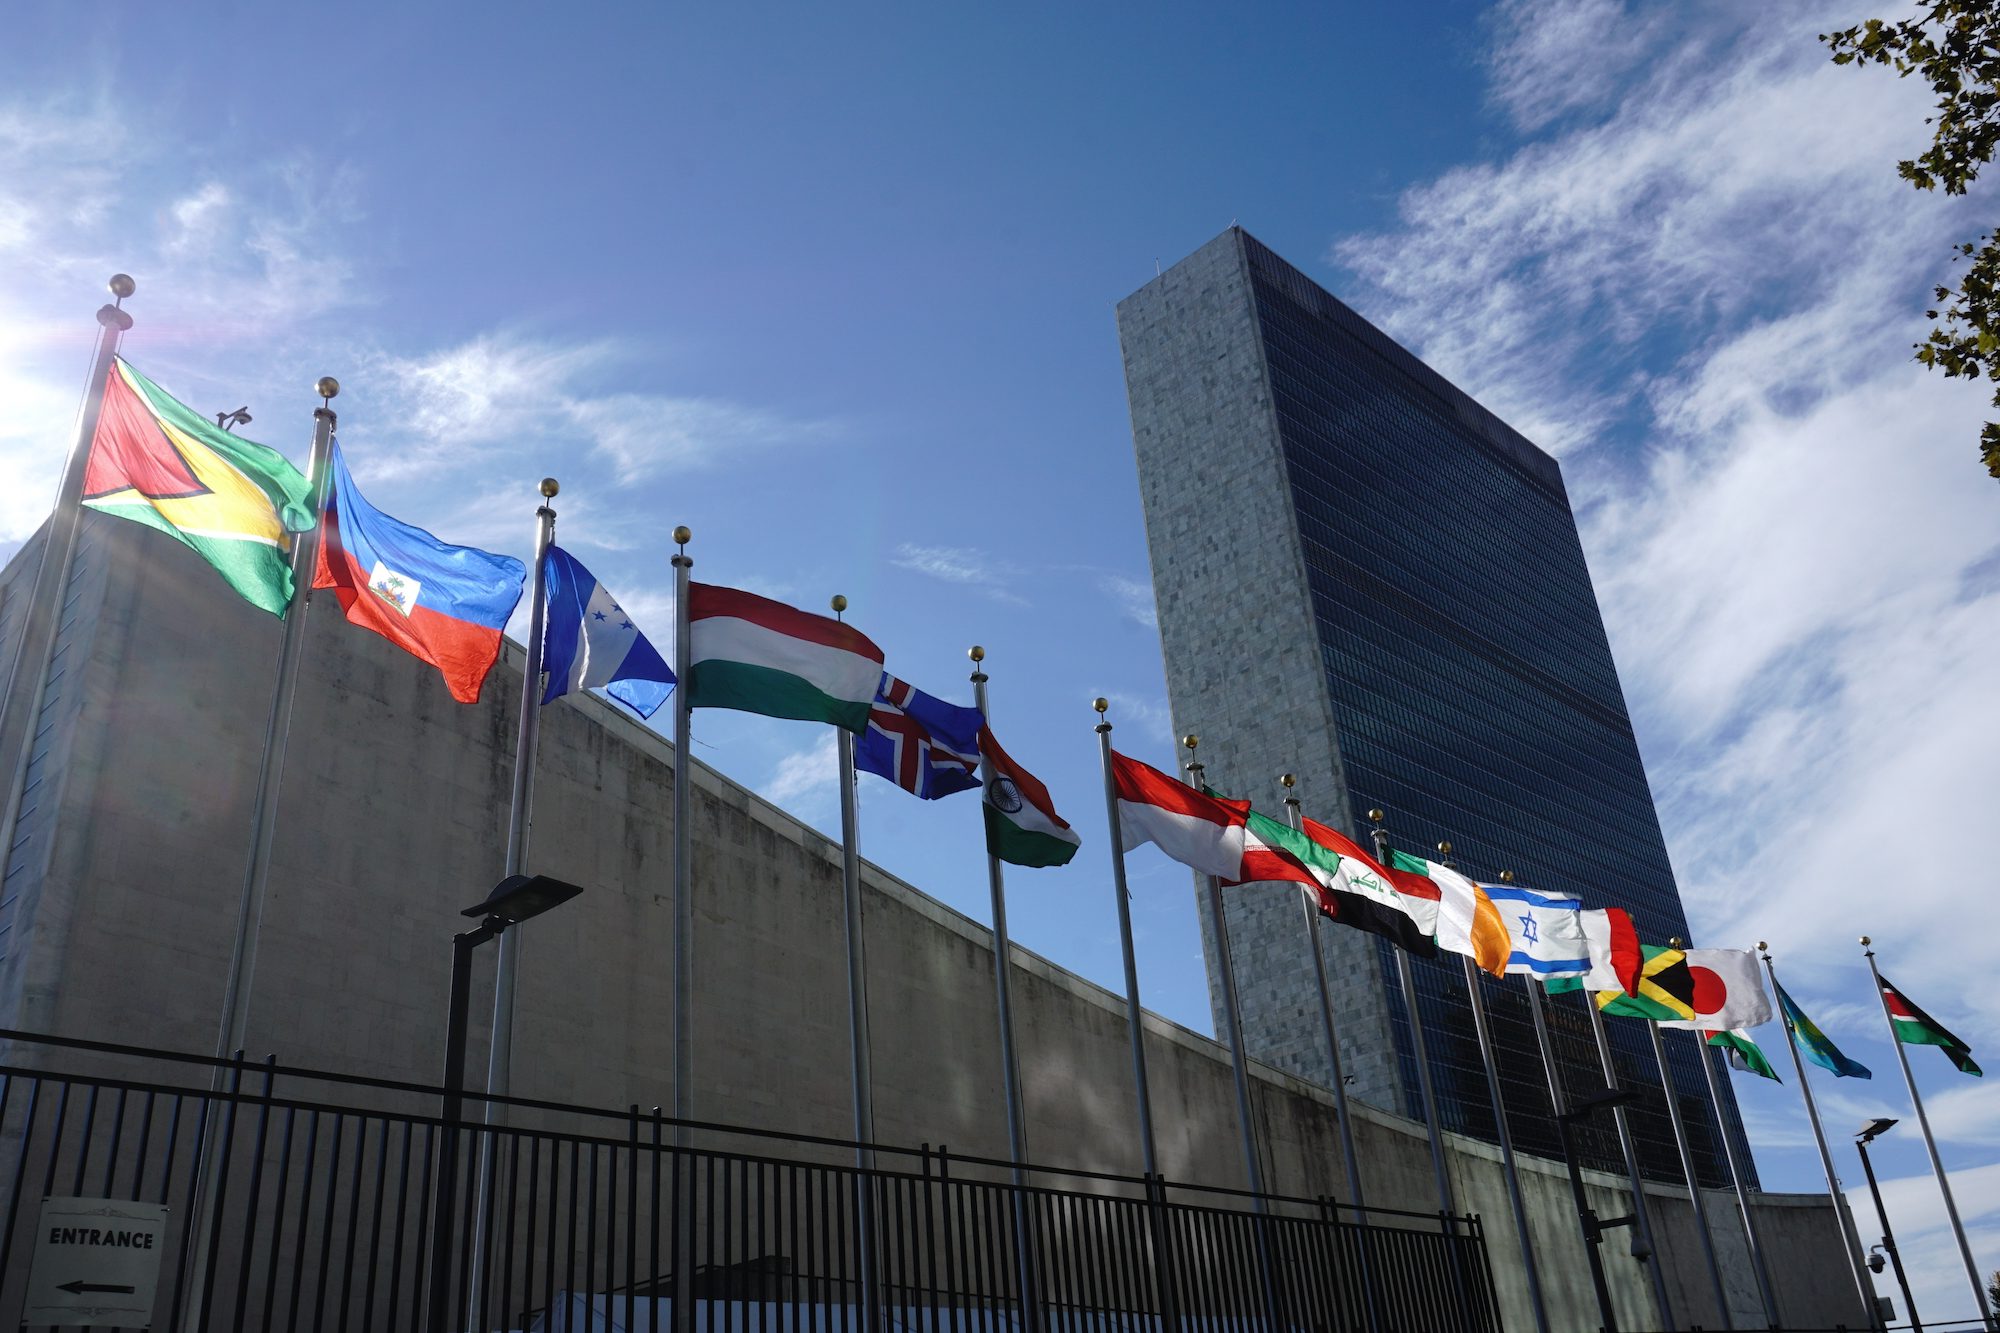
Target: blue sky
{"x": 835, "y": 288}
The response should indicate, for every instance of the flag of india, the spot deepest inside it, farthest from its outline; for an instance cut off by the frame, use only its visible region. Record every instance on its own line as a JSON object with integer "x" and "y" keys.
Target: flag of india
{"x": 759, "y": 656}
{"x": 1022, "y": 826}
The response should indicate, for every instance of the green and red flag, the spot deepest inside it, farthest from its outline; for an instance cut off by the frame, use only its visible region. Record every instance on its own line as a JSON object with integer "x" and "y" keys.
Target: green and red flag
{"x": 1022, "y": 826}
{"x": 234, "y": 503}
{"x": 1743, "y": 1053}
{"x": 1914, "y": 1027}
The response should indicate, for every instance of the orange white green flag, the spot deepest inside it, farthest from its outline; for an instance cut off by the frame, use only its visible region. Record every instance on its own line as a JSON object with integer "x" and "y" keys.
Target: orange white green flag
{"x": 235, "y": 503}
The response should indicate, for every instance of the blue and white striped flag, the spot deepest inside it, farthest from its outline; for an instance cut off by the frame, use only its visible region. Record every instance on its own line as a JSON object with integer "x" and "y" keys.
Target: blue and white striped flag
{"x": 1546, "y": 930}
{"x": 589, "y": 642}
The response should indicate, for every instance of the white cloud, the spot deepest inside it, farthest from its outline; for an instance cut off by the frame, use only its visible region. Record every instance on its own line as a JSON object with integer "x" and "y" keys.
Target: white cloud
{"x": 963, "y": 565}
{"x": 1556, "y": 56}
{"x": 1133, "y": 598}
{"x": 807, "y": 775}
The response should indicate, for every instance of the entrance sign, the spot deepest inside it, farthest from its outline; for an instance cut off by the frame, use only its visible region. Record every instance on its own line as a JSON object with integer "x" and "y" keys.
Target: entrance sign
{"x": 97, "y": 1263}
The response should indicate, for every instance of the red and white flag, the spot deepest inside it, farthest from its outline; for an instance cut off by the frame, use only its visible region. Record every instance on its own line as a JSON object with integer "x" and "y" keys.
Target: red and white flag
{"x": 1201, "y": 832}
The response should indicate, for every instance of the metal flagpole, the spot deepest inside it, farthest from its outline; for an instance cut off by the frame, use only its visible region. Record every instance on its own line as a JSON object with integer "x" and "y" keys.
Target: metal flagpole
{"x": 1848, "y": 1241}
{"x": 1688, "y": 1170}
{"x": 1930, "y": 1142}
{"x": 1750, "y": 1236}
{"x": 1239, "y": 1065}
{"x": 1484, "y": 1031}
{"x": 234, "y": 1026}
{"x": 1010, "y": 1069}
{"x": 43, "y": 615}
{"x": 500, "y": 1060}
{"x": 1642, "y": 1217}
{"x": 683, "y": 1248}
{"x": 500, "y": 1054}
{"x": 857, "y": 1026}
{"x": 1349, "y": 1159}
{"x": 1149, "y": 1154}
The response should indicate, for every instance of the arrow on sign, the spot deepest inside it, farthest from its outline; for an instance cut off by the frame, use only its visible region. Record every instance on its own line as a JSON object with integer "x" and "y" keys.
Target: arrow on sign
{"x": 78, "y": 1287}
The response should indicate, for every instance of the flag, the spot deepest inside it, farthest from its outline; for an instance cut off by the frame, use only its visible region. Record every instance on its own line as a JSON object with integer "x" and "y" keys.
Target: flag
{"x": 759, "y": 656}
{"x": 1201, "y": 832}
{"x": 1545, "y": 931}
{"x": 1364, "y": 894}
{"x": 1728, "y": 990}
{"x": 1665, "y": 988}
{"x": 1914, "y": 1027}
{"x": 589, "y": 642}
{"x": 1614, "y": 951}
{"x": 1817, "y": 1047}
{"x": 1273, "y": 853}
{"x": 924, "y": 745}
{"x": 1022, "y": 826}
{"x": 1467, "y": 921}
{"x": 234, "y": 503}
{"x": 444, "y": 604}
{"x": 1743, "y": 1053}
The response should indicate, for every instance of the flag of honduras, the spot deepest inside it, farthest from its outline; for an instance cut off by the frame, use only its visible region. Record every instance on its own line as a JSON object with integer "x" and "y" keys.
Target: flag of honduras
{"x": 588, "y": 641}
{"x": 1546, "y": 930}
{"x": 924, "y": 745}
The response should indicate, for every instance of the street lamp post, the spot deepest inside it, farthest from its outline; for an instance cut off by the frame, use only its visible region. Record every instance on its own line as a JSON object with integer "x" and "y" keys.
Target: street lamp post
{"x": 1869, "y": 1131}
{"x": 514, "y": 899}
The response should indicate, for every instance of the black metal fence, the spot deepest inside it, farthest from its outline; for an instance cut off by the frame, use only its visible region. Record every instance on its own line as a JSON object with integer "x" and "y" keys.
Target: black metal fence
{"x": 301, "y": 1200}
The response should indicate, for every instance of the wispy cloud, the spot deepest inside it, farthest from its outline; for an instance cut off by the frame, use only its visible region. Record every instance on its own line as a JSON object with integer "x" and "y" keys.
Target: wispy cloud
{"x": 806, "y": 776}
{"x": 963, "y": 565}
{"x": 1132, "y": 597}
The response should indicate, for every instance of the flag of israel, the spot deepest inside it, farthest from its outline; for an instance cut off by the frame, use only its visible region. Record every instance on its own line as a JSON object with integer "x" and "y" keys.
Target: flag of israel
{"x": 1547, "y": 931}
{"x": 588, "y": 641}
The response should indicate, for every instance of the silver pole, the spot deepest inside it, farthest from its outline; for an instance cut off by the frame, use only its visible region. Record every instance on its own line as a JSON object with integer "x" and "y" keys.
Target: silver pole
{"x": 232, "y": 1032}
{"x": 1148, "y": 1148}
{"x": 1736, "y": 1182}
{"x": 277, "y": 730}
{"x": 857, "y": 1028}
{"x": 683, "y": 1248}
{"x": 43, "y": 616}
{"x": 1010, "y": 1069}
{"x": 1848, "y": 1241}
{"x": 1642, "y": 1216}
{"x": 1688, "y": 1170}
{"x": 1930, "y": 1143}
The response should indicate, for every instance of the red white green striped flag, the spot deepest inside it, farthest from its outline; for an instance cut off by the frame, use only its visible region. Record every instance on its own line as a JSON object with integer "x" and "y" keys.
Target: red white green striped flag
{"x": 759, "y": 656}
{"x": 1914, "y": 1027}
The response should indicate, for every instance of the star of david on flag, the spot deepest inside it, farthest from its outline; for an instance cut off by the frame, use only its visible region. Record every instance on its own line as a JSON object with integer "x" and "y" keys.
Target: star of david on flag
{"x": 924, "y": 745}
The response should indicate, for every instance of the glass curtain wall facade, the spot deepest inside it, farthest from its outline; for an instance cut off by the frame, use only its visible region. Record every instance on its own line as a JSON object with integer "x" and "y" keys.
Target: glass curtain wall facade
{"x": 1472, "y": 697}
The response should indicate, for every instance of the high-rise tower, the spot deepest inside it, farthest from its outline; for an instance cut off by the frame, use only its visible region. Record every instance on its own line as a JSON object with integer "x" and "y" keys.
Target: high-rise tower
{"x": 1367, "y": 579}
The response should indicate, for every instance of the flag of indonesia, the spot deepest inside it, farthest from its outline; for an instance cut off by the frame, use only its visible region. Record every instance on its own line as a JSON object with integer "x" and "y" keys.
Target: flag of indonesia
{"x": 1201, "y": 832}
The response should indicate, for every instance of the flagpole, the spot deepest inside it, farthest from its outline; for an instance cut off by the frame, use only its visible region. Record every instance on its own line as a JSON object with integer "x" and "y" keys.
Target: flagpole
{"x": 1848, "y": 1240}
{"x": 1239, "y": 1066}
{"x": 1688, "y": 1169}
{"x": 1736, "y": 1182}
{"x": 1482, "y": 1028}
{"x": 1930, "y": 1142}
{"x": 42, "y": 618}
{"x": 1149, "y": 1154}
{"x": 683, "y": 948}
{"x": 1348, "y": 1157}
{"x": 1010, "y": 1069}
{"x": 857, "y": 1023}
{"x": 1641, "y": 1214}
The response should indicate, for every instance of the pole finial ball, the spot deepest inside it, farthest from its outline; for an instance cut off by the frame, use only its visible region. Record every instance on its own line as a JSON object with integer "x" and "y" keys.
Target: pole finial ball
{"x": 1763, "y": 946}
{"x": 327, "y": 387}
{"x": 550, "y": 488}
{"x": 838, "y": 603}
{"x": 1865, "y": 941}
{"x": 1287, "y": 780}
{"x": 1100, "y": 703}
{"x": 121, "y": 285}
{"x": 1444, "y": 849}
{"x": 1190, "y": 740}
{"x": 976, "y": 653}
{"x": 1506, "y": 877}
{"x": 1676, "y": 941}
{"x": 1374, "y": 816}
{"x": 682, "y": 536}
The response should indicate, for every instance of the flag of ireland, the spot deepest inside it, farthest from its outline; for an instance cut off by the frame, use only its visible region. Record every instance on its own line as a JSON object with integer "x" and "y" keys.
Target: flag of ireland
{"x": 1914, "y": 1027}
{"x": 759, "y": 656}
{"x": 1022, "y": 826}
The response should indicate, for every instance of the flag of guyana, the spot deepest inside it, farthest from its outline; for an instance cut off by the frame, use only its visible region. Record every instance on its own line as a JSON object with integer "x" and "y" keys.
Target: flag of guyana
{"x": 1666, "y": 989}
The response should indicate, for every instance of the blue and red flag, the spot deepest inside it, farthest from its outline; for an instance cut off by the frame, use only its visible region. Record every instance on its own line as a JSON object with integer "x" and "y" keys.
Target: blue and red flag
{"x": 445, "y": 604}
{"x": 924, "y": 745}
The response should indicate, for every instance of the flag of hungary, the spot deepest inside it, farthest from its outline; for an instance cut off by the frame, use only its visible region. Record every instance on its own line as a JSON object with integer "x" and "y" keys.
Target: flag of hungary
{"x": 1022, "y": 826}
{"x": 759, "y": 656}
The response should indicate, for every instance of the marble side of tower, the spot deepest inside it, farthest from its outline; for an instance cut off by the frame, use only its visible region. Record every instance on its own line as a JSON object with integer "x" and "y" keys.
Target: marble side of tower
{"x": 1367, "y": 579}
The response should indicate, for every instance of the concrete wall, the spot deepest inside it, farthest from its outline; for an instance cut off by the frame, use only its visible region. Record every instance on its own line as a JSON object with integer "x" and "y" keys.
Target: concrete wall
{"x": 392, "y": 816}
